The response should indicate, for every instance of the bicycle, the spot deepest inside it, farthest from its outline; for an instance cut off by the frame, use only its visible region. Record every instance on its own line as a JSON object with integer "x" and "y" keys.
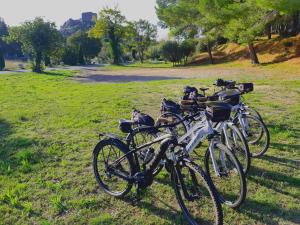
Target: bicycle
{"x": 231, "y": 135}
{"x": 247, "y": 119}
{"x": 120, "y": 169}
{"x": 224, "y": 162}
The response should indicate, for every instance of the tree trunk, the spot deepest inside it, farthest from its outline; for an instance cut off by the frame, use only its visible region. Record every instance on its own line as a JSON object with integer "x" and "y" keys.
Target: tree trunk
{"x": 38, "y": 63}
{"x": 211, "y": 60}
{"x": 295, "y": 23}
{"x": 269, "y": 31}
{"x": 253, "y": 55}
{"x": 141, "y": 57}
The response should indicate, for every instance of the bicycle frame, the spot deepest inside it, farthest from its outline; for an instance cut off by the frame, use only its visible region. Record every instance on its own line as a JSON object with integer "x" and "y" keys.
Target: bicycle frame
{"x": 133, "y": 151}
{"x": 198, "y": 132}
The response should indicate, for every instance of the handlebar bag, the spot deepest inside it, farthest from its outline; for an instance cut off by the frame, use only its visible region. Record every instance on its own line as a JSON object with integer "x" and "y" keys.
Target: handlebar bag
{"x": 246, "y": 87}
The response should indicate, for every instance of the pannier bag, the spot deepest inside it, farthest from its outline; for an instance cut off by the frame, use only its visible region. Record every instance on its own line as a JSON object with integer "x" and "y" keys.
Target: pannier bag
{"x": 142, "y": 118}
{"x": 190, "y": 90}
{"x": 225, "y": 83}
{"x": 246, "y": 87}
{"x": 232, "y": 97}
{"x": 218, "y": 111}
{"x": 125, "y": 126}
{"x": 170, "y": 106}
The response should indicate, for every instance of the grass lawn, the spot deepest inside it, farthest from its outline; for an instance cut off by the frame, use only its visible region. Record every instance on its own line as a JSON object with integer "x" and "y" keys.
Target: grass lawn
{"x": 48, "y": 129}
{"x": 138, "y": 65}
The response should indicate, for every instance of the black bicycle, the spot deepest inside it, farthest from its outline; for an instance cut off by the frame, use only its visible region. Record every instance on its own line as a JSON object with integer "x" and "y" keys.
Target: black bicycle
{"x": 117, "y": 168}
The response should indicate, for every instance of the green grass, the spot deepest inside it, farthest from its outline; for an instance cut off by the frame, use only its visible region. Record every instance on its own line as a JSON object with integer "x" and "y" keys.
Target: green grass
{"x": 139, "y": 65}
{"x": 48, "y": 129}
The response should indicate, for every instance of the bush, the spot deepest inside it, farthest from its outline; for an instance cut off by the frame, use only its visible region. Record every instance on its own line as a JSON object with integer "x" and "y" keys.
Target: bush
{"x": 70, "y": 57}
{"x": 171, "y": 52}
{"x": 2, "y": 62}
{"x": 187, "y": 48}
{"x": 154, "y": 52}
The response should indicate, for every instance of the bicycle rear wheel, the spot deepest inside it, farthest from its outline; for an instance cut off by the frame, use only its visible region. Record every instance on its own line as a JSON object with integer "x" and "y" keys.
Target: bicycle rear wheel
{"x": 196, "y": 194}
{"x": 231, "y": 181}
{"x": 110, "y": 175}
{"x": 256, "y": 133}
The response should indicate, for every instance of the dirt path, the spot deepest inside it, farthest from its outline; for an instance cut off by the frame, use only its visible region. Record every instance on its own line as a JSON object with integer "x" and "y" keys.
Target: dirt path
{"x": 143, "y": 75}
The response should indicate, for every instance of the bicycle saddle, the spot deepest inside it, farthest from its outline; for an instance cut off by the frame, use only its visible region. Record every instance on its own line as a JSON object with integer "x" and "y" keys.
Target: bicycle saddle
{"x": 203, "y": 89}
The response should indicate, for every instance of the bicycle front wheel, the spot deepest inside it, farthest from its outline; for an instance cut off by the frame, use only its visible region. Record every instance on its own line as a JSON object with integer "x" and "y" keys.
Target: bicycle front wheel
{"x": 236, "y": 142}
{"x": 196, "y": 194}
{"x": 229, "y": 179}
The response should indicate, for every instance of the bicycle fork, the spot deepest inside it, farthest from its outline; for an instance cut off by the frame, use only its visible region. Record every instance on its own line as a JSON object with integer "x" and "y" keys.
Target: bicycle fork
{"x": 214, "y": 160}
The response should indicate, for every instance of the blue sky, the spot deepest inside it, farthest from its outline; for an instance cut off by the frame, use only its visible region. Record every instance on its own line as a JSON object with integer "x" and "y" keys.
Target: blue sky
{"x": 17, "y": 11}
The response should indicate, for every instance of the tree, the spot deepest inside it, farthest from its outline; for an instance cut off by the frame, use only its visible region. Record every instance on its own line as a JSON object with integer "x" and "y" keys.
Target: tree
{"x": 85, "y": 46}
{"x": 239, "y": 21}
{"x": 145, "y": 34}
{"x": 110, "y": 26}
{"x": 288, "y": 17}
{"x": 186, "y": 19}
{"x": 181, "y": 16}
{"x": 38, "y": 38}
{"x": 171, "y": 52}
{"x": 3, "y": 33}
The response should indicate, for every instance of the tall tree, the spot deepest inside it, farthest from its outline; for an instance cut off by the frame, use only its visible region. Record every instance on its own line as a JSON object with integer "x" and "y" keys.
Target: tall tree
{"x": 145, "y": 34}
{"x": 186, "y": 20}
{"x": 38, "y": 38}
{"x": 240, "y": 21}
{"x": 110, "y": 26}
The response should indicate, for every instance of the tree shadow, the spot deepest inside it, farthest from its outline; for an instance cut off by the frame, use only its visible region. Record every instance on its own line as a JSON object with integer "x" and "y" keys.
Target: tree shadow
{"x": 282, "y": 161}
{"x": 267, "y": 213}
{"x": 10, "y": 146}
{"x": 267, "y": 178}
{"x": 101, "y": 78}
{"x": 5, "y": 129}
{"x": 285, "y": 147}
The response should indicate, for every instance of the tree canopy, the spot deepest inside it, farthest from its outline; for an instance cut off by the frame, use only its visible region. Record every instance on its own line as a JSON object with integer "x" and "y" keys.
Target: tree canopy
{"x": 38, "y": 38}
{"x": 110, "y": 26}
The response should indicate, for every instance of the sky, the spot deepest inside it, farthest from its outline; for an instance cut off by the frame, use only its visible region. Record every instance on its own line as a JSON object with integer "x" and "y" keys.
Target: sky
{"x": 15, "y": 12}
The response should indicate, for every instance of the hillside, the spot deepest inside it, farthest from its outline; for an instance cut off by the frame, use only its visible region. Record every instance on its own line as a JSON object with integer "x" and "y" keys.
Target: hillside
{"x": 269, "y": 51}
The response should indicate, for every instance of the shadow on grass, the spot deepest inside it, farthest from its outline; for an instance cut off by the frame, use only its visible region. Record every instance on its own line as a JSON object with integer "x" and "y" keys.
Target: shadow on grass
{"x": 166, "y": 212}
{"x": 121, "y": 78}
{"x": 267, "y": 213}
{"x": 273, "y": 180}
{"x": 283, "y": 161}
{"x": 16, "y": 152}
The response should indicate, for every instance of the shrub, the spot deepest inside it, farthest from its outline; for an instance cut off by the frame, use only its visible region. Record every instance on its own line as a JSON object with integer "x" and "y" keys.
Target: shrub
{"x": 171, "y": 52}
{"x": 187, "y": 48}
{"x": 154, "y": 52}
